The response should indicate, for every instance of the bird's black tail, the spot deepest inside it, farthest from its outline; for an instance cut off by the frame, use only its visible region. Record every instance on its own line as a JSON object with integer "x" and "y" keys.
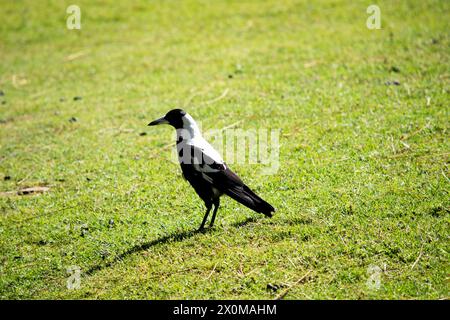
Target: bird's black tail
{"x": 251, "y": 200}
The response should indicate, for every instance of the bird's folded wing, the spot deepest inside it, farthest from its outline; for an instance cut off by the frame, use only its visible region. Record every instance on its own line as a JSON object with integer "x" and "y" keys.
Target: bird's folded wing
{"x": 222, "y": 178}
{"x": 216, "y": 173}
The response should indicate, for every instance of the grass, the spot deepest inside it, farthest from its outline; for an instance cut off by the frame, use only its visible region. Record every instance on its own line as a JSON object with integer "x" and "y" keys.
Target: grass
{"x": 363, "y": 178}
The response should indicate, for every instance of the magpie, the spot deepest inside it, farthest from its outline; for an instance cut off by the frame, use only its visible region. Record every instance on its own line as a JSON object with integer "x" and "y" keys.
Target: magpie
{"x": 204, "y": 169}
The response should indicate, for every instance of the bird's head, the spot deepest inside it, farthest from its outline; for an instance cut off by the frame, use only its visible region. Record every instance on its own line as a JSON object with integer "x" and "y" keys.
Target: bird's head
{"x": 180, "y": 120}
{"x": 173, "y": 117}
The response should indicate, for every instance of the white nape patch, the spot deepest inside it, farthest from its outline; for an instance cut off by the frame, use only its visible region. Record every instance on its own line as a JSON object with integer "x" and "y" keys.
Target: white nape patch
{"x": 190, "y": 126}
{"x": 207, "y": 149}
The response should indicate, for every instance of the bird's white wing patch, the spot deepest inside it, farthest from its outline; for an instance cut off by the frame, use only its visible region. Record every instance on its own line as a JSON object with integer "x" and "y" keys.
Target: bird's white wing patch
{"x": 206, "y": 148}
{"x": 202, "y": 156}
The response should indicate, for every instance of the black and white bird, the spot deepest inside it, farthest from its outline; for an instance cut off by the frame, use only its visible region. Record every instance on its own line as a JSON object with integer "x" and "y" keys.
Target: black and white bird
{"x": 205, "y": 170}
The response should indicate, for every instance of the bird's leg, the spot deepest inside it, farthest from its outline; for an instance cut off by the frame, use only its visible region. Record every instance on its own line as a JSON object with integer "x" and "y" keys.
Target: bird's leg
{"x": 216, "y": 207}
{"x": 208, "y": 209}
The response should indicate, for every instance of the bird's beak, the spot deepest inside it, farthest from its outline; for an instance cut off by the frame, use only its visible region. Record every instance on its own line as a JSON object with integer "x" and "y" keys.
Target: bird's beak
{"x": 158, "y": 121}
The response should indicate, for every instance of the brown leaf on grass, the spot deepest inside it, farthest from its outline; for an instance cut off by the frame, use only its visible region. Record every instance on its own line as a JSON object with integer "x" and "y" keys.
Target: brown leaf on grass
{"x": 32, "y": 190}
{"x": 25, "y": 191}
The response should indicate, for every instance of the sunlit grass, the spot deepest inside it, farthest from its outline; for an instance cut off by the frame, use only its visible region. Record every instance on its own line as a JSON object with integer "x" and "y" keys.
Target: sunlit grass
{"x": 363, "y": 178}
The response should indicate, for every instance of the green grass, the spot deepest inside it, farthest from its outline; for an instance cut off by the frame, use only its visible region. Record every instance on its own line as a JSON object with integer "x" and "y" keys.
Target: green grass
{"x": 363, "y": 176}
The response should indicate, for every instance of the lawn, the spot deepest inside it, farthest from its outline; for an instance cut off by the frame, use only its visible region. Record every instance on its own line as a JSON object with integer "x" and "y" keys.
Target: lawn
{"x": 362, "y": 190}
